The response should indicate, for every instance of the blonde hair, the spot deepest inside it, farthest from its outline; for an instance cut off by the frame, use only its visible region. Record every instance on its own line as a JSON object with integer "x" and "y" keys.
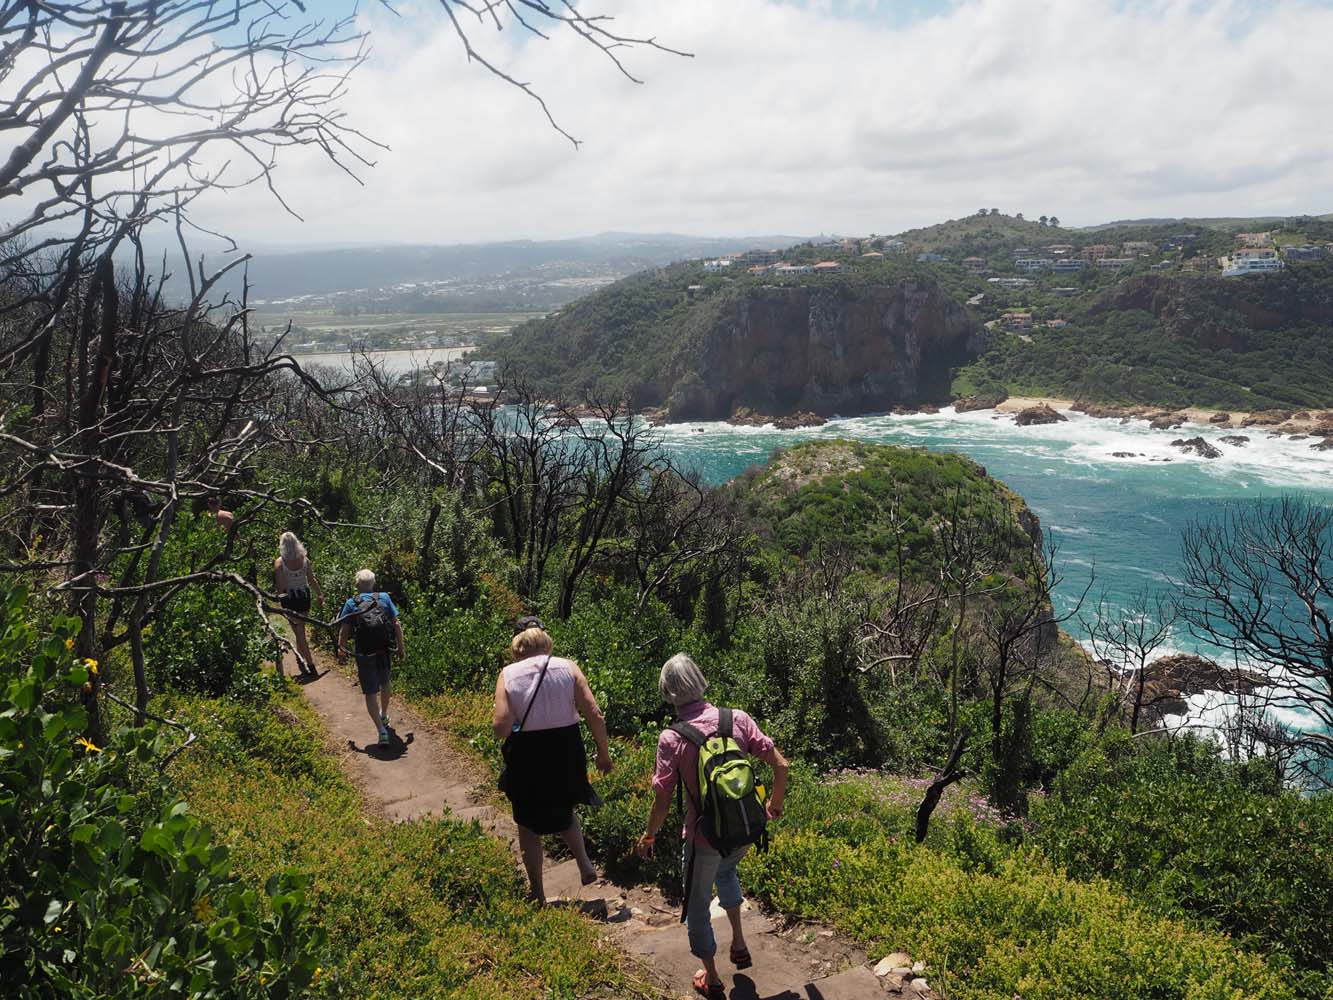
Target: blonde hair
{"x": 530, "y": 642}
{"x": 291, "y": 549}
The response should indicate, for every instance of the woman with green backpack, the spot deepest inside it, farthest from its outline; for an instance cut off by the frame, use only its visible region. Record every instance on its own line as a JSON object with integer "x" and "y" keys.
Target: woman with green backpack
{"x": 706, "y": 753}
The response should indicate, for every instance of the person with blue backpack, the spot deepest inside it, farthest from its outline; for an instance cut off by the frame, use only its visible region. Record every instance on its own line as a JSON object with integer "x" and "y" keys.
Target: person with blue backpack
{"x": 706, "y": 754}
{"x": 371, "y": 618}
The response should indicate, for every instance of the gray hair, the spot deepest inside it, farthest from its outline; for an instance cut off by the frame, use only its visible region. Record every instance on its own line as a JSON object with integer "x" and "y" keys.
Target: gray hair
{"x": 365, "y": 580}
{"x": 682, "y": 681}
{"x": 290, "y": 548}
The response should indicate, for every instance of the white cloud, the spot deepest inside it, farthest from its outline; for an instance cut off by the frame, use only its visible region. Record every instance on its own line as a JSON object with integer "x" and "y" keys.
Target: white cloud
{"x": 831, "y": 117}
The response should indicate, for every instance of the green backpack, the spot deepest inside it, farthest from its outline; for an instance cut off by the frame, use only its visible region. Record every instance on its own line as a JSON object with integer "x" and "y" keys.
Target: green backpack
{"x": 731, "y": 813}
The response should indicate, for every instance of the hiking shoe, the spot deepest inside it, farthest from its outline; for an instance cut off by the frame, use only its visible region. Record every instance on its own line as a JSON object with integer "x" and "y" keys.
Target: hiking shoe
{"x": 384, "y": 720}
{"x": 384, "y": 737}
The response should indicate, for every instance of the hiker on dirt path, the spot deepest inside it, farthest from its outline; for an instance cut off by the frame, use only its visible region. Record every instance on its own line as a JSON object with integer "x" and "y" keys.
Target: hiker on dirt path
{"x": 371, "y": 618}
{"x": 293, "y": 578}
{"x": 538, "y": 701}
{"x": 707, "y": 753}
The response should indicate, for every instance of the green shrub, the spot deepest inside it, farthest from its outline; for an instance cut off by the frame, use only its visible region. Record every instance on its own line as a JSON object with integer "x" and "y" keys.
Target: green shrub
{"x": 1178, "y": 826}
{"x": 989, "y": 922}
{"x": 207, "y": 639}
{"x": 109, "y": 889}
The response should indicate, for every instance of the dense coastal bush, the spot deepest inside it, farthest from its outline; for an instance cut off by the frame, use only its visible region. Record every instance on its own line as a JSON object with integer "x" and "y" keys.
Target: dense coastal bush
{"x": 1184, "y": 831}
{"x": 110, "y": 887}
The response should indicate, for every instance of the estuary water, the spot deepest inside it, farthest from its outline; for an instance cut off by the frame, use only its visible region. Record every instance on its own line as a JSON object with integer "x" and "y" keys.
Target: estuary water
{"x": 1123, "y": 516}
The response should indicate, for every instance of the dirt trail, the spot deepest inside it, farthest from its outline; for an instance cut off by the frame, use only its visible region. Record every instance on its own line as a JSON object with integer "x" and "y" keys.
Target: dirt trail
{"x": 421, "y": 774}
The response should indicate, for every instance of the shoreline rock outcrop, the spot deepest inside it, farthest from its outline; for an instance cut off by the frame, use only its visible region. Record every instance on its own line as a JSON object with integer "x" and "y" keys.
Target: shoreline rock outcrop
{"x": 1197, "y": 446}
{"x": 1041, "y": 414}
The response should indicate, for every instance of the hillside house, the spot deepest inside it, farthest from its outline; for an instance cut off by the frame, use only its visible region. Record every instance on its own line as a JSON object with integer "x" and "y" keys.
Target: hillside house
{"x": 1017, "y": 322}
{"x": 1097, "y": 251}
{"x": 720, "y": 264}
{"x": 1068, "y": 264}
{"x": 787, "y": 269}
{"x": 760, "y": 269}
{"x": 1065, "y": 291}
{"x": 827, "y": 267}
{"x": 762, "y": 257}
{"x": 1137, "y": 248}
{"x": 1250, "y": 260}
{"x": 1012, "y": 282}
{"x": 1312, "y": 252}
{"x": 1060, "y": 249}
{"x": 1033, "y": 263}
{"x": 974, "y": 263}
{"x": 895, "y": 246}
{"x": 1057, "y": 324}
{"x": 1198, "y": 264}
{"x": 930, "y": 257}
{"x": 872, "y": 255}
{"x": 1113, "y": 263}
{"x": 1255, "y": 239}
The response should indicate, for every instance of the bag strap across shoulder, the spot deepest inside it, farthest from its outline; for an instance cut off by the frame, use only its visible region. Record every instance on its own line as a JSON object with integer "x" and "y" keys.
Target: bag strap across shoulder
{"x": 533, "y": 699}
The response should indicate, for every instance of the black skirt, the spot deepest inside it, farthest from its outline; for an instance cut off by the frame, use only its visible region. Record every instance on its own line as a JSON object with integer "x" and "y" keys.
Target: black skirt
{"x": 297, "y": 600}
{"x": 547, "y": 777}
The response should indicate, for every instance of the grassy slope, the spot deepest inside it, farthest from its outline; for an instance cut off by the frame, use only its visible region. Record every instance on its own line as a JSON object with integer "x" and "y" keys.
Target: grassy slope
{"x": 428, "y": 909}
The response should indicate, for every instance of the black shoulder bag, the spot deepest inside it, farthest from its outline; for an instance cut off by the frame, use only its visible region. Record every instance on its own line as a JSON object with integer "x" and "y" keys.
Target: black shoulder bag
{"x": 506, "y": 747}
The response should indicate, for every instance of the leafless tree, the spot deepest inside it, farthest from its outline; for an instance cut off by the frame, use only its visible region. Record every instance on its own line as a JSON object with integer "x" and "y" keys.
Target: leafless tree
{"x": 1019, "y": 623}
{"x": 676, "y": 525}
{"x": 1258, "y": 581}
{"x": 1127, "y": 638}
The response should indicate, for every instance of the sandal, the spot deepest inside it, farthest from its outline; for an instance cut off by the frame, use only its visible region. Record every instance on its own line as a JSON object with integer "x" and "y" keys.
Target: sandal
{"x": 711, "y": 991}
{"x": 740, "y": 957}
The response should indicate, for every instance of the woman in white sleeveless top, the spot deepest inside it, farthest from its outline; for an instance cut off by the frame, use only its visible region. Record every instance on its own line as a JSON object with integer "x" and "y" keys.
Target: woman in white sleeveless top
{"x": 293, "y": 578}
{"x": 546, "y": 770}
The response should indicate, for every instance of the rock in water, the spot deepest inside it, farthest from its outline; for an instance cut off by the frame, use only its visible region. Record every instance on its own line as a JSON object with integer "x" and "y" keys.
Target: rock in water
{"x": 1220, "y": 418}
{"x": 1236, "y": 440}
{"x": 1196, "y": 446}
{"x": 981, "y": 401}
{"x": 1041, "y": 414}
{"x": 1167, "y": 421}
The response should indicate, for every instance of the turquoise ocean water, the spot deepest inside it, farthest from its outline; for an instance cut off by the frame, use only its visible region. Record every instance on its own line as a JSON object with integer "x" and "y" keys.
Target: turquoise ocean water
{"x": 1123, "y": 516}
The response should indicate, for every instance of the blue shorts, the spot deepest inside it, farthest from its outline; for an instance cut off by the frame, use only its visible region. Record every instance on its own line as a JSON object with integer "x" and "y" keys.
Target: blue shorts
{"x": 372, "y": 671}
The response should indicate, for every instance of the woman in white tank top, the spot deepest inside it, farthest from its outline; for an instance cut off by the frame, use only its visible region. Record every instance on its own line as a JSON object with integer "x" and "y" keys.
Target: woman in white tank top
{"x": 538, "y": 701}
{"x": 293, "y": 577}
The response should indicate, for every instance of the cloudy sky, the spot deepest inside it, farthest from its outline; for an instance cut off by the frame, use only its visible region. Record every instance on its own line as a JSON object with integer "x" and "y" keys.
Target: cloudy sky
{"x": 840, "y": 116}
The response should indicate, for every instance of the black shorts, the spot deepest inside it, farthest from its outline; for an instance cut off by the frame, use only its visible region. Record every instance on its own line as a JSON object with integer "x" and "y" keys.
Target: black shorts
{"x": 297, "y": 600}
{"x": 372, "y": 671}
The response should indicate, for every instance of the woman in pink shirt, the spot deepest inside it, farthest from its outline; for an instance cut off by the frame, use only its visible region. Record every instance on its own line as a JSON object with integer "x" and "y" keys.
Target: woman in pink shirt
{"x": 682, "y": 685}
{"x": 538, "y": 701}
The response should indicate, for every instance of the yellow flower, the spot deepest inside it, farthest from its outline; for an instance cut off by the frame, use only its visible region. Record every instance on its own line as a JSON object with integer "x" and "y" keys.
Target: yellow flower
{"x": 203, "y": 911}
{"x": 91, "y": 664}
{"x": 319, "y": 971}
{"x": 88, "y": 745}
{"x": 69, "y": 643}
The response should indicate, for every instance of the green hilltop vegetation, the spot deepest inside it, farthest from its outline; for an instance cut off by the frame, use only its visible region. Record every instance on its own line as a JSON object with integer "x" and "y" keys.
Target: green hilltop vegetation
{"x": 1153, "y": 330}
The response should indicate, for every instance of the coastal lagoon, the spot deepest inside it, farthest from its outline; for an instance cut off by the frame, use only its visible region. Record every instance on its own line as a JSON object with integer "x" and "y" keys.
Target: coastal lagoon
{"x": 1123, "y": 516}
{"x": 393, "y": 362}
